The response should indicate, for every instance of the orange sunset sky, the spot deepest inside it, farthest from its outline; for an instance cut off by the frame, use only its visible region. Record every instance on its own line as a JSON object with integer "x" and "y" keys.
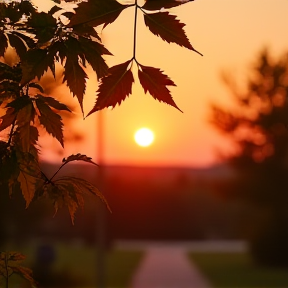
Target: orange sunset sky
{"x": 229, "y": 33}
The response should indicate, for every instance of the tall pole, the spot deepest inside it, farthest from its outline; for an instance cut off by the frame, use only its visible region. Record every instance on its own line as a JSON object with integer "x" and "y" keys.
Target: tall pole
{"x": 101, "y": 209}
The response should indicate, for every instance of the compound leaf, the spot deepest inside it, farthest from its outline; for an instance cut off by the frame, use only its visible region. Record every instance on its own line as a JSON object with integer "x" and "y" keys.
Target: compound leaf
{"x": 169, "y": 28}
{"x": 115, "y": 87}
{"x": 155, "y": 82}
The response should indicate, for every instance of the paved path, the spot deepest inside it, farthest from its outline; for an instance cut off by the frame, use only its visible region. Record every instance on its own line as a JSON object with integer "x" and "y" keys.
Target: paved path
{"x": 167, "y": 266}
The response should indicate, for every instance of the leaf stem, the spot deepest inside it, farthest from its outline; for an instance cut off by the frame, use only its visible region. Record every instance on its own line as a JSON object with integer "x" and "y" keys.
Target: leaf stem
{"x": 11, "y": 131}
{"x": 50, "y": 180}
{"x": 135, "y": 30}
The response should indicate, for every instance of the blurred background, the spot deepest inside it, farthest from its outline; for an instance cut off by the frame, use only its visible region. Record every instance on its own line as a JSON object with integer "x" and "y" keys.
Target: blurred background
{"x": 216, "y": 173}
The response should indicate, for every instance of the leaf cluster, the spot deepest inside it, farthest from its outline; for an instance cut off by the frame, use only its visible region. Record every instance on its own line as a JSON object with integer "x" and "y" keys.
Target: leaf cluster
{"x": 11, "y": 263}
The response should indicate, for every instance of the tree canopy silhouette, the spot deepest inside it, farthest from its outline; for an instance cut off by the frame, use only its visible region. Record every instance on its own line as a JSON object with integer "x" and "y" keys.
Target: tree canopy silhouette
{"x": 258, "y": 128}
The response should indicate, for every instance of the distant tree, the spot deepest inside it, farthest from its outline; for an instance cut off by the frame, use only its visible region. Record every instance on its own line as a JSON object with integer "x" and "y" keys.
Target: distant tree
{"x": 41, "y": 42}
{"x": 258, "y": 127}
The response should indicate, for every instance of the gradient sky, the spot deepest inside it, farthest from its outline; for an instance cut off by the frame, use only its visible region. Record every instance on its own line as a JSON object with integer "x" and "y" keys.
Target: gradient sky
{"x": 229, "y": 33}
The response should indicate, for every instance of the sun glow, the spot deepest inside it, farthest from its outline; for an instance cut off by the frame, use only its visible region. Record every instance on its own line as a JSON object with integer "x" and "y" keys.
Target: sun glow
{"x": 144, "y": 137}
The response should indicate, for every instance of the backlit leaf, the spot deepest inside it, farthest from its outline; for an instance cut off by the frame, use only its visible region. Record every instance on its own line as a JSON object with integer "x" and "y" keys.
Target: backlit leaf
{"x": 30, "y": 177}
{"x": 86, "y": 30}
{"x": 25, "y": 273}
{"x": 158, "y": 4}
{"x": 35, "y": 63}
{"x": 17, "y": 43}
{"x": 68, "y": 191}
{"x": 115, "y": 87}
{"x": 75, "y": 77}
{"x": 51, "y": 121}
{"x": 155, "y": 82}
{"x": 27, "y": 184}
{"x": 10, "y": 262}
{"x": 169, "y": 28}
{"x": 78, "y": 157}
{"x": 93, "y": 52}
{"x": 53, "y": 103}
{"x": 96, "y": 12}
{"x": 24, "y": 117}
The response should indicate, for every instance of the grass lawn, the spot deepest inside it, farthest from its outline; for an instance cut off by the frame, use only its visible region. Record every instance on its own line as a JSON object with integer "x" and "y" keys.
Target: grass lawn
{"x": 235, "y": 270}
{"x": 76, "y": 266}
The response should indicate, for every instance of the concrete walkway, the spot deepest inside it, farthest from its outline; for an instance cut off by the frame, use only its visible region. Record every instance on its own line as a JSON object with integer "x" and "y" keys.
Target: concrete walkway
{"x": 167, "y": 266}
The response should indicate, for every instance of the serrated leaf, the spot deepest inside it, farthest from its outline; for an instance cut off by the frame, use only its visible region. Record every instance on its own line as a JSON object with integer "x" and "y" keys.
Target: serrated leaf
{"x": 155, "y": 82}
{"x": 3, "y": 43}
{"x": 96, "y": 12}
{"x": 27, "y": 184}
{"x": 158, "y": 4}
{"x": 16, "y": 256}
{"x": 20, "y": 103}
{"x": 24, "y": 117}
{"x": 78, "y": 157}
{"x": 93, "y": 52}
{"x": 17, "y": 43}
{"x": 169, "y": 28}
{"x": 29, "y": 177}
{"x": 71, "y": 190}
{"x": 10, "y": 262}
{"x": 53, "y": 103}
{"x": 115, "y": 87}
{"x": 35, "y": 63}
{"x": 85, "y": 30}
{"x": 25, "y": 273}
{"x": 75, "y": 77}
{"x": 51, "y": 121}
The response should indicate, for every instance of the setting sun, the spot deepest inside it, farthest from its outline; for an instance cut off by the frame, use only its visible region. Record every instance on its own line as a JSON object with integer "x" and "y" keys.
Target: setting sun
{"x": 144, "y": 137}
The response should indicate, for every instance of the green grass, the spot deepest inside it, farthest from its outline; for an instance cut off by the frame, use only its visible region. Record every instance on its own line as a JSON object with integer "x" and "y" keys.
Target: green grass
{"x": 77, "y": 266}
{"x": 236, "y": 270}
{"x": 82, "y": 263}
